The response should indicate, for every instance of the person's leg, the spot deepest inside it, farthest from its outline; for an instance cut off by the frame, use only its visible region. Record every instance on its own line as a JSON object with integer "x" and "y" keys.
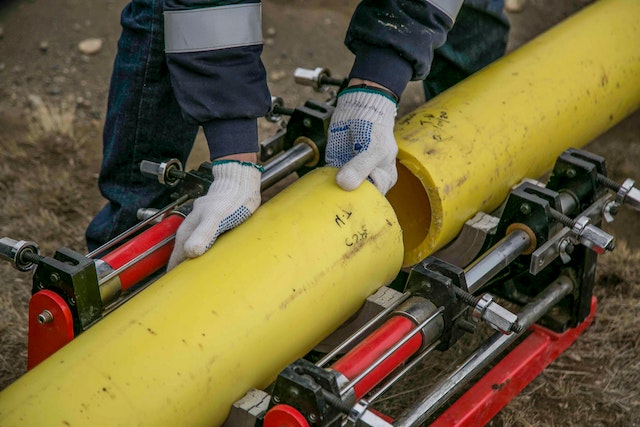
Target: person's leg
{"x": 478, "y": 38}
{"x": 143, "y": 122}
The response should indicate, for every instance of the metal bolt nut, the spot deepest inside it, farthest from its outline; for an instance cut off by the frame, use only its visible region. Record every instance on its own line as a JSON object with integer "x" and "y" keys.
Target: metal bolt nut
{"x": 525, "y": 208}
{"x": 571, "y": 173}
{"x": 45, "y": 317}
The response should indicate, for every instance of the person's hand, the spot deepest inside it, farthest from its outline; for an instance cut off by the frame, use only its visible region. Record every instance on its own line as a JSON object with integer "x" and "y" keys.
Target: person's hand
{"x": 232, "y": 198}
{"x": 361, "y": 141}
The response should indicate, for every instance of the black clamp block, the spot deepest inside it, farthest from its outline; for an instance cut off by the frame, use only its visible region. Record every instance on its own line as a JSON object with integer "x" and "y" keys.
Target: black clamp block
{"x": 73, "y": 276}
{"x": 435, "y": 280}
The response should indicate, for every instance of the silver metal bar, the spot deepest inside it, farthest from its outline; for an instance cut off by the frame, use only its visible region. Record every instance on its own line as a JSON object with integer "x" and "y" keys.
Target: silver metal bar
{"x": 389, "y": 352}
{"x": 419, "y": 412}
{"x": 364, "y": 328}
{"x": 495, "y": 259}
{"x": 133, "y": 261}
{"x": 136, "y": 227}
{"x": 387, "y": 385}
{"x": 292, "y": 160}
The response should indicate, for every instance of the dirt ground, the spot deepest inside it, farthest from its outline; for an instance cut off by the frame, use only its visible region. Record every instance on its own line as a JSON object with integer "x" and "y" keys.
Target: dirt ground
{"x": 52, "y": 103}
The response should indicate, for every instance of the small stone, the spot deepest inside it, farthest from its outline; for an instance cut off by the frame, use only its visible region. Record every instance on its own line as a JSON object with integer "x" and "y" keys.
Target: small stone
{"x": 90, "y": 46}
{"x": 277, "y": 75}
{"x": 54, "y": 90}
{"x": 44, "y": 46}
{"x": 514, "y": 6}
{"x": 271, "y": 31}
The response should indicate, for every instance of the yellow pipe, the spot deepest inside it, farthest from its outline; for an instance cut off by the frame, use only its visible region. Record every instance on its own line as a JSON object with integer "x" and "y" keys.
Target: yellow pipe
{"x": 462, "y": 152}
{"x": 184, "y": 349}
{"x": 181, "y": 352}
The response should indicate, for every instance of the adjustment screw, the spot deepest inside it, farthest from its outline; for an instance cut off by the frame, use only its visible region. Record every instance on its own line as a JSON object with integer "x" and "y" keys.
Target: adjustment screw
{"x": 525, "y": 208}
{"x": 313, "y": 418}
{"x": 45, "y": 317}
{"x": 276, "y": 399}
{"x": 54, "y": 278}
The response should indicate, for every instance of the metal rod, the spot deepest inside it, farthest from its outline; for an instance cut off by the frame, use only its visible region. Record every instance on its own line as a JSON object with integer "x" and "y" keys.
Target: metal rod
{"x": 137, "y": 227}
{"x": 292, "y": 160}
{"x": 387, "y": 385}
{"x": 389, "y": 352}
{"x": 495, "y": 259}
{"x": 138, "y": 258}
{"x": 364, "y": 328}
{"x": 418, "y": 413}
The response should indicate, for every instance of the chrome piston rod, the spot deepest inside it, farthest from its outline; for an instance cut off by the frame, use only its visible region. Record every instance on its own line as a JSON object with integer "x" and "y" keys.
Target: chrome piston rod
{"x": 288, "y": 162}
{"x": 495, "y": 259}
{"x": 419, "y": 413}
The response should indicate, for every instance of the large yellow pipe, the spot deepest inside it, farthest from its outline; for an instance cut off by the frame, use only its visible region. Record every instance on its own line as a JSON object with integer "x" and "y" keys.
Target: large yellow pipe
{"x": 181, "y": 352}
{"x": 462, "y": 152}
{"x": 183, "y": 349}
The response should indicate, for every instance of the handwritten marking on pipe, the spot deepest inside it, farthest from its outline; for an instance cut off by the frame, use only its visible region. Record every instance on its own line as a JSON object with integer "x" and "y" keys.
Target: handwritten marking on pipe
{"x": 357, "y": 237}
{"x": 342, "y": 217}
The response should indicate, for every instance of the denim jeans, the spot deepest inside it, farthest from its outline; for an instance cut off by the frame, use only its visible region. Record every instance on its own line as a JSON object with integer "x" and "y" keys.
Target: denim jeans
{"x": 143, "y": 122}
{"x": 478, "y": 38}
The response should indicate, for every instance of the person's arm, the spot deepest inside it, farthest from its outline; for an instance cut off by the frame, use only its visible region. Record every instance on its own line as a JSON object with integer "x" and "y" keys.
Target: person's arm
{"x": 393, "y": 43}
{"x": 213, "y": 53}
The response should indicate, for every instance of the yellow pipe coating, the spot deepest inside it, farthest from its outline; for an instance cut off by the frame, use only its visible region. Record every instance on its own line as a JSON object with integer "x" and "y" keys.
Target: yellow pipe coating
{"x": 187, "y": 347}
{"x": 183, "y": 350}
{"x": 461, "y": 152}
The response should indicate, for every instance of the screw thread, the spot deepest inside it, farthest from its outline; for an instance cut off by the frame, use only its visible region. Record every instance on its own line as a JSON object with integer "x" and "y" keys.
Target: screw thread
{"x": 466, "y": 297}
{"x": 562, "y": 218}
{"x": 608, "y": 182}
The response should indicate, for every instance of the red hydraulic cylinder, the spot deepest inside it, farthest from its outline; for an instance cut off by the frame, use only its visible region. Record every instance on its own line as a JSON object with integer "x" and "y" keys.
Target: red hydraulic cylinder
{"x": 362, "y": 356}
{"x": 139, "y": 245}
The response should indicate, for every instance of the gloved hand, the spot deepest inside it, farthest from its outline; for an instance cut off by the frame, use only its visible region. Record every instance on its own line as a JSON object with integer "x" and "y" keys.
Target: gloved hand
{"x": 361, "y": 141}
{"x": 232, "y": 198}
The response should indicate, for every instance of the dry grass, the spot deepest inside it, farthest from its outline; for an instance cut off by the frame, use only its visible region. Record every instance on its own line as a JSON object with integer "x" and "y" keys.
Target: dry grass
{"x": 46, "y": 170}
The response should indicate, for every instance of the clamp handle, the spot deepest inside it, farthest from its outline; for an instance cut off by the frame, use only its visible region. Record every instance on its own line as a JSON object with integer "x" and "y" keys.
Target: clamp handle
{"x": 21, "y": 254}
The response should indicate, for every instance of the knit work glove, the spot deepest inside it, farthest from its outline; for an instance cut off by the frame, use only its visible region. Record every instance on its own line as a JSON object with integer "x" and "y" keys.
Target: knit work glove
{"x": 361, "y": 141}
{"x": 232, "y": 197}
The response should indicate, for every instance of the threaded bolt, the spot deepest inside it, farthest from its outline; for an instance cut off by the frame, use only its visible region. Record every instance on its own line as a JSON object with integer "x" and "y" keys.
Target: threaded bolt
{"x": 45, "y": 317}
{"x": 608, "y": 182}
{"x": 562, "y": 218}
{"x": 466, "y": 297}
